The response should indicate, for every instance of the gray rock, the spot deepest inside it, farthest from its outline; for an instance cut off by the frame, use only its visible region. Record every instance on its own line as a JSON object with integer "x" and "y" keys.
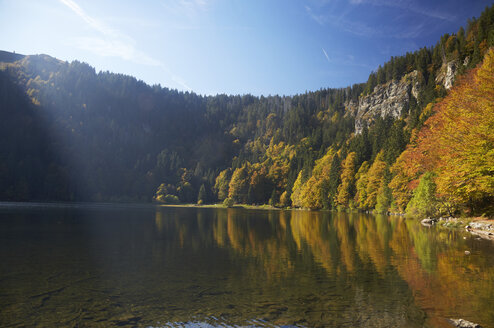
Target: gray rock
{"x": 389, "y": 99}
{"x": 464, "y": 323}
{"x": 447, "y": 73}
{"x": 479, "y": 225}
{"x": 428, "y": 221}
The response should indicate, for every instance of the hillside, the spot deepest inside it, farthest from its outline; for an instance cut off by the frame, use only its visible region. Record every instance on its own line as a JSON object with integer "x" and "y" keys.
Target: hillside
{"x": 72, "y": 134}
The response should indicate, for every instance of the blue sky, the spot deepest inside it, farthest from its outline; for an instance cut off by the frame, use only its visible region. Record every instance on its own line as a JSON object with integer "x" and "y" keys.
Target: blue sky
{"x": 231, "y": 46}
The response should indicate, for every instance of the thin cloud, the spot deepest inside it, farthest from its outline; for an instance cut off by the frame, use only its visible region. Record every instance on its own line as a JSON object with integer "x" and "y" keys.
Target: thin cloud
{"x": 112, "y": 43}
{"x": 340, "y": 60}
{"x": 320, "y": 19}
{"x": 98, "y": 26}
{"x": 326, "y": 54}
{"x": 409, "y": 6}
{"x": 186, "y": 8}
{"x": 114, "y": 48}
{"x": 361, "y": 29}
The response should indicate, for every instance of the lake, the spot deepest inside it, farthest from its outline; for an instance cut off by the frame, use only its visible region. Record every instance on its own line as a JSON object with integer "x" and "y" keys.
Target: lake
{"x": 151, "y": 266}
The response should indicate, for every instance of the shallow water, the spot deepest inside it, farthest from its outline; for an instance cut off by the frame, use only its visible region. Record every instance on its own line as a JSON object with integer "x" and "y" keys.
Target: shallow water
{"x": 106, "y": 265}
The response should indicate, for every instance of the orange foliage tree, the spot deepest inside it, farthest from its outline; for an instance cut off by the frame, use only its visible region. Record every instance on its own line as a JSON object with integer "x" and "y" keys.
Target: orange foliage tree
{"x": 457, "y": 144}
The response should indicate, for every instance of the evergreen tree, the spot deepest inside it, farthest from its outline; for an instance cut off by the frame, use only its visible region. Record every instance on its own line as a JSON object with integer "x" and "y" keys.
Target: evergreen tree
{"x": 201, "y": 198}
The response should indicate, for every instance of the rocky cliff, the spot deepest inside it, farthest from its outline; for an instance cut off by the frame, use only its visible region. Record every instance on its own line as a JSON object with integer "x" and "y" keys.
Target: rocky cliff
{"x": 447, "y": 74}
{"x": 390, "y": 99}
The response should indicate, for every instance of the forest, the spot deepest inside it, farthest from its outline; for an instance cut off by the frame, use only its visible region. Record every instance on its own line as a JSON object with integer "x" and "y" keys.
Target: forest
{"x": 69, "y": 133}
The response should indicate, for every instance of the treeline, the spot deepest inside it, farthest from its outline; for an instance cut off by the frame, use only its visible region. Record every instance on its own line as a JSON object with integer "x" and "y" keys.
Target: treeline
{"x": 466, "y": 48}
{"x": 363, "y": 172}
{"x": 90, "y": 136}
{"x": 448, "y": 166}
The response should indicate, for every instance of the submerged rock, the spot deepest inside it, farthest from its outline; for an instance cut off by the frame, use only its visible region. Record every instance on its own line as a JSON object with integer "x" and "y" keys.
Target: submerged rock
{"x": 428, "y": 221}
{"x": 464, "y": 323}
{"x": 482, "y": 228}
{"x": 480, "y": 225}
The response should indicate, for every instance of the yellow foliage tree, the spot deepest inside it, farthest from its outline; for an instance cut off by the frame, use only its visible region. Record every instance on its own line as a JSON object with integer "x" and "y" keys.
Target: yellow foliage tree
{"x": 222, "y": 184}
{"x": 296, "y": 196}
{"x": 375, "y": 179}
{"x": 361, "y": 184}
{"x": 315, "y": 191}
{"x": 239, "y": 184}
{"x": 347, "y": 186}
{"x": 465, "y": 120}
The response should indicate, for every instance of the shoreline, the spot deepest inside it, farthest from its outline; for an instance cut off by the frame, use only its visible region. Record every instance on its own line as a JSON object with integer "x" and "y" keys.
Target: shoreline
{"x": 478, "y": 226}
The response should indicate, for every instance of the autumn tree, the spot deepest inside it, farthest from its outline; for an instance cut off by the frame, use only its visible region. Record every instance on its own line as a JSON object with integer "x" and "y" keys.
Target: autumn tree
{"x": 166, "y": 193}
{"x": 284, "y": 199}
{"x": 221, "y": 187}
{"x": 346, "y": 189}
{"x": 375, "y": 179}
{"x": 315, "y": 191}
{"x": 384, "y": 199}
{"x": 334, "y": 181}
{"x": 457, "y": 144}
{"x": 296, "y": 196}
{"x": 400, "y": 183}
{"x": 465, "y": 122}
{"x": 239, "y": 184}
{"x": 361, "y": 184}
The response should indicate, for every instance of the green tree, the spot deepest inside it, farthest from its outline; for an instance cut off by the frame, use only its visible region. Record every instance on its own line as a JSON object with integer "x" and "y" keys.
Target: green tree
{"x": 273, "y": 200}
{"x": 166, "y": 194}
{"x": 384, "y": 194}
{"x": 424, "y": 201}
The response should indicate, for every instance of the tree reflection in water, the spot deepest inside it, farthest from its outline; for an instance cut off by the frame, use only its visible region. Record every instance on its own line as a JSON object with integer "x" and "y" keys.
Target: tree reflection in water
{"x": 164, "y": 266}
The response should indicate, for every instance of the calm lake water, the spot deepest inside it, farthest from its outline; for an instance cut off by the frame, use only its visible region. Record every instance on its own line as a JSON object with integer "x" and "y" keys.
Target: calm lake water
{"x": 102, "y": 265}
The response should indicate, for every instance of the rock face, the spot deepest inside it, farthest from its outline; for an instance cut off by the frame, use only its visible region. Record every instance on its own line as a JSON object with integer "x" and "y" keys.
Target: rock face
{"x": 447, "y": 73}
{"x": 390, "y": 99}
{"x": 351, "y": 108}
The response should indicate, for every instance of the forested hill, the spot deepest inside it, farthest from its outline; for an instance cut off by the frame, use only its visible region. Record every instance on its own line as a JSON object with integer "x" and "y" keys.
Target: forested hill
{"x": 72, "y": 134}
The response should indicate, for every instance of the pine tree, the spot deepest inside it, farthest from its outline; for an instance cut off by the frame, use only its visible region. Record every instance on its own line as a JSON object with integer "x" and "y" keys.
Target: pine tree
{"x": 201, "y": 198}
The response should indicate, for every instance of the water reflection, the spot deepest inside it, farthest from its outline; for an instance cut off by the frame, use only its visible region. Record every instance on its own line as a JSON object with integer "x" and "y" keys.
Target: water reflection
{"x": 155, "y": 267}
{"x": 358, "y": 249}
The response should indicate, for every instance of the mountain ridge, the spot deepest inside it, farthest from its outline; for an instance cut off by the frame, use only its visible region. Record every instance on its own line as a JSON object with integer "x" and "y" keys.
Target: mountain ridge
{"x": 111, "y": 137}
